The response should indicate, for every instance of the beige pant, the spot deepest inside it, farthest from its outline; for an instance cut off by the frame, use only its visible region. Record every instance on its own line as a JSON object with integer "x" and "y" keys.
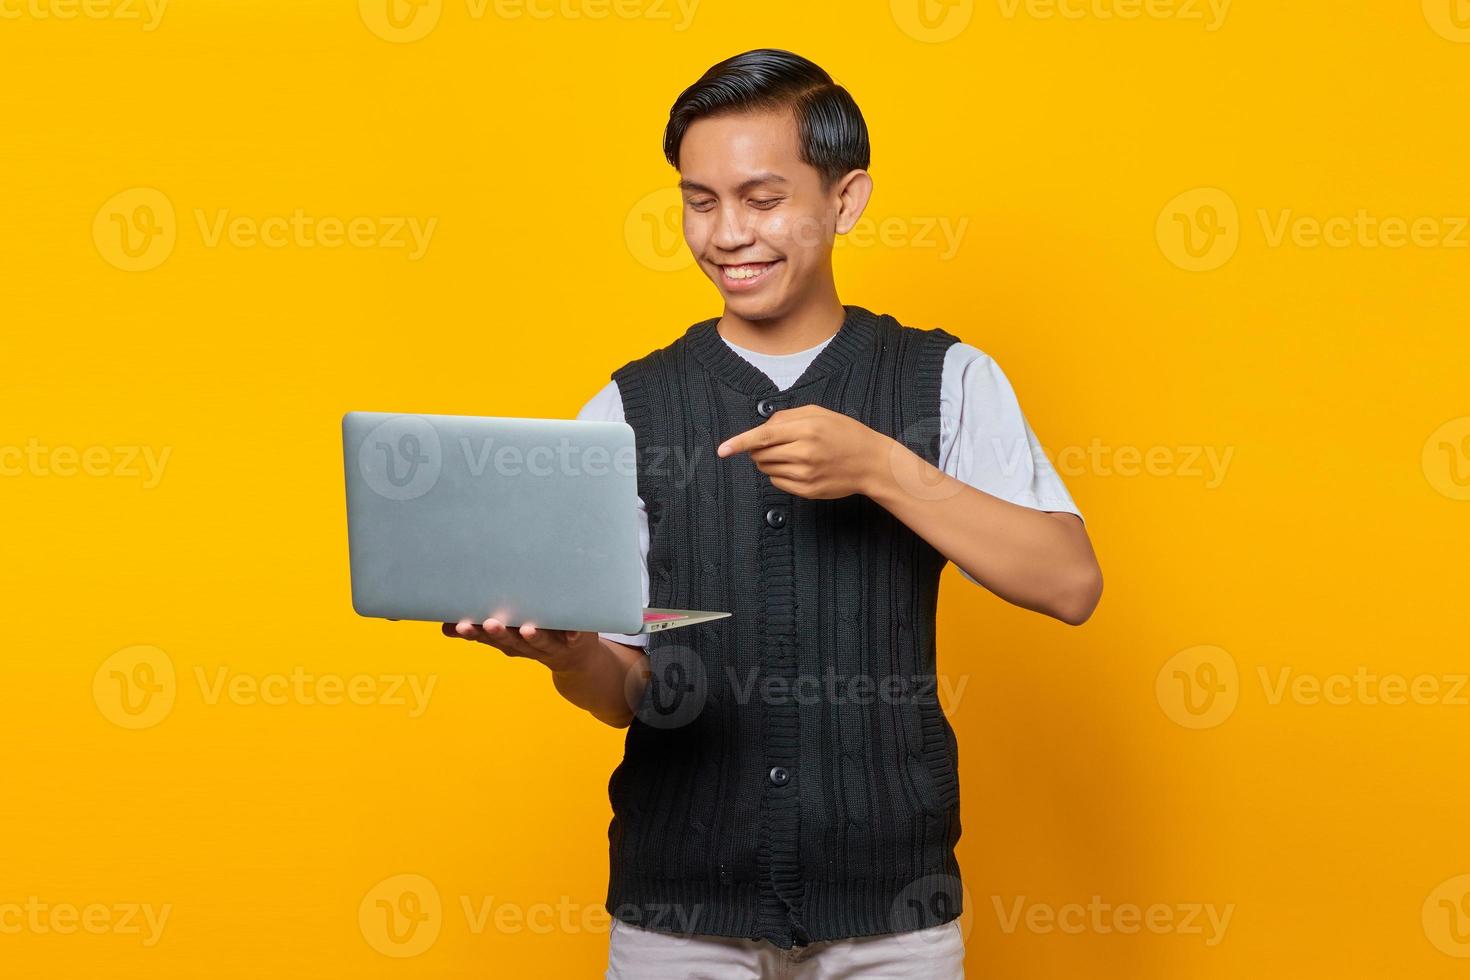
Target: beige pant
{"x": 930, "y": 954}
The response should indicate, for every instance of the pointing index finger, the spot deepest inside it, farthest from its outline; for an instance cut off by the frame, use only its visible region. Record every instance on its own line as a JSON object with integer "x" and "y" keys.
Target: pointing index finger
{"x": 762, "y": 436}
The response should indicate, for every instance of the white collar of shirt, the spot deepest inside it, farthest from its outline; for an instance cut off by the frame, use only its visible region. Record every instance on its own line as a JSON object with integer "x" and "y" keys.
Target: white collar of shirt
{"x": 782, "y": 369}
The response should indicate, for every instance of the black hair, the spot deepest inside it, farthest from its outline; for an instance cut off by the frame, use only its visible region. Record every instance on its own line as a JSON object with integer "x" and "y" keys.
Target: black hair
{"x": 830, "y": 129}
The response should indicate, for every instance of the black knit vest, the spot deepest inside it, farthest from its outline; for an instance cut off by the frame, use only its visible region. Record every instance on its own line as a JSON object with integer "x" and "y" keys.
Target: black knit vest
{"x": 789, "y": 775}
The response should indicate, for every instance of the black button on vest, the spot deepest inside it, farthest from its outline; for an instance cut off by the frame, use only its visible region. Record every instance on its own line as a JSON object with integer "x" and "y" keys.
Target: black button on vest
{"x": 826, "y": 667}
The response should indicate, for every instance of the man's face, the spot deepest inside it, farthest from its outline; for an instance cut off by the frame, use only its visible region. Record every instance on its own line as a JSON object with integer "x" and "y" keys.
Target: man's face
{"x": 756, "y": 217}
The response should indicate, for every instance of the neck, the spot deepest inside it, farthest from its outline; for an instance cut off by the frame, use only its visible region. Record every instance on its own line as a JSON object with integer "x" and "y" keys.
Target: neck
{"x": 801, "y": 328}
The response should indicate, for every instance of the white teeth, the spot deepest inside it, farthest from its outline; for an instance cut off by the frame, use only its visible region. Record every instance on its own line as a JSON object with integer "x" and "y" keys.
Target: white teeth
{"x": 744, "y": 271}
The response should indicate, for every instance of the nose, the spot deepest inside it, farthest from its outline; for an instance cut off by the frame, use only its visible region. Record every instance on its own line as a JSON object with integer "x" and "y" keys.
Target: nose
{"x": 733, "y": 228}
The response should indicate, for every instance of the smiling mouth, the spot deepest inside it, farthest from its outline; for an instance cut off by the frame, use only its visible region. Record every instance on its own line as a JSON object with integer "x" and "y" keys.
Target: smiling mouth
{"x": 746, "y": 272}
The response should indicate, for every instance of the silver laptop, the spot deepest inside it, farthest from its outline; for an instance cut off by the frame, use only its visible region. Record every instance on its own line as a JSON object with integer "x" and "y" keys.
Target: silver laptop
{"x": 453, "y": 517}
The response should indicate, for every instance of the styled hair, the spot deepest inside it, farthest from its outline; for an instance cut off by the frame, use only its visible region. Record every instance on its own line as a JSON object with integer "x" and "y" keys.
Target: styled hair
{"x": 830, "y": 129}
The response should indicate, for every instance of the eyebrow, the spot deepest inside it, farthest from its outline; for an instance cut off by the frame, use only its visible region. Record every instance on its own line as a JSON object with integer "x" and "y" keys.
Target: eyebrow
{"x": 764, "y": 178}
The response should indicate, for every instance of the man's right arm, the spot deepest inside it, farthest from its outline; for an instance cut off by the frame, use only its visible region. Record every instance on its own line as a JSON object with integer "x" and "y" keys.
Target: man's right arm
{"x": 600, "y": 676}
{"x": 607, "y": 681}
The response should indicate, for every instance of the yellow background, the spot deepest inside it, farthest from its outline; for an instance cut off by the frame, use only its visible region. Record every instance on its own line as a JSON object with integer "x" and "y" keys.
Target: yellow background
{"x": 1334, "y": 543}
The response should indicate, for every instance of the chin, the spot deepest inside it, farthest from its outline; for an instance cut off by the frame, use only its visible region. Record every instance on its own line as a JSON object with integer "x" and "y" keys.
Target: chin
{"x": 754, "y": 308}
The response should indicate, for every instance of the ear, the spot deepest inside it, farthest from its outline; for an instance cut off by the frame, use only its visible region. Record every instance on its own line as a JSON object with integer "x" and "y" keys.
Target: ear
{"x": 852, "y": 192}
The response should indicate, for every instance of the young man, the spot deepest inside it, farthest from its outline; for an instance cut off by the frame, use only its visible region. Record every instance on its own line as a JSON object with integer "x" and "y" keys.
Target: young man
{"x": 788, "y": 803}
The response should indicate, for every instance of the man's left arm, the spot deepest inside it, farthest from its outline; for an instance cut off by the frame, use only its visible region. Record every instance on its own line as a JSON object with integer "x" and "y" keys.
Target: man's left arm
{"x": 1036, "y": 559}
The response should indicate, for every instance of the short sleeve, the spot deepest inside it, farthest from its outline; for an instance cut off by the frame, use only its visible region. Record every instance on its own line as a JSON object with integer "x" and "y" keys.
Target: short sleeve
{"x": 985, "y": 440}
{"x": 607, "y": 406}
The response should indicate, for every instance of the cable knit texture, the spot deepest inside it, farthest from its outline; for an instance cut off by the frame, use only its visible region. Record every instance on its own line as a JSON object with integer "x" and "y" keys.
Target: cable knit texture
{"x": 825, "y": 672}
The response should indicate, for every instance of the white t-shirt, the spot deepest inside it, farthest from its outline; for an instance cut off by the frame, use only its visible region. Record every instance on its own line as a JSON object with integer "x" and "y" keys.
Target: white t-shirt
{"x": 984, "y": 440}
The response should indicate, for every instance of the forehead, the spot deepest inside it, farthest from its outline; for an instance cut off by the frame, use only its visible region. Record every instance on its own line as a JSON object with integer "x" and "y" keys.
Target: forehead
{"x": 729, "y": 148}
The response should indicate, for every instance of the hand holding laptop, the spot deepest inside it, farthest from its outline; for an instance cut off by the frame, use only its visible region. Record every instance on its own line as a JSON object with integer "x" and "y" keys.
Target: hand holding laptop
{"x": 557, "y": 649}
